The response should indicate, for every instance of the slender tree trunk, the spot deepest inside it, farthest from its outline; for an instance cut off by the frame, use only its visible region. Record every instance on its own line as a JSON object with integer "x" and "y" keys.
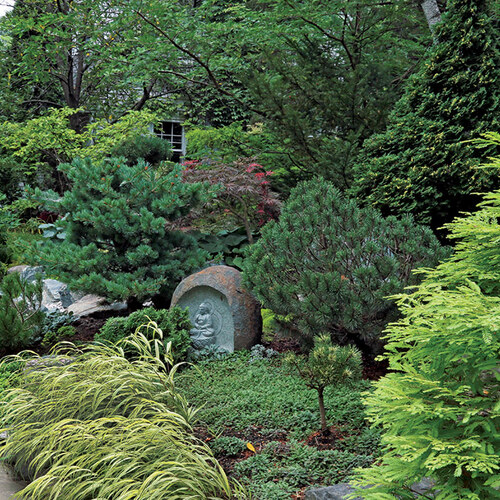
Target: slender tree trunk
{"x": 432, "y": 13}
{"x": 322, "y": 410}
{"x": 246, "y": 222}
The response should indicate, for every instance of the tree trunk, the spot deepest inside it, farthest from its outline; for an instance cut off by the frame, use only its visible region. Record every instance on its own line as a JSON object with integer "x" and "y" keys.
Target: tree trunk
{"x": 432, "y": 13}
{"x": 322, "y": 410}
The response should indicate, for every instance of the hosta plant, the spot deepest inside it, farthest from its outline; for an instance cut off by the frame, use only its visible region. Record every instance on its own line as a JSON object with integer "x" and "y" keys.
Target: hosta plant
{"x": 92, "y": 424}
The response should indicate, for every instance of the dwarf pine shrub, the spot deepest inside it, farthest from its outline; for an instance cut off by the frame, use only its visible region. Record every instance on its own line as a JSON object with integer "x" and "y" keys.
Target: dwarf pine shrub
{"x": 21, "y": 317}
{"x": 326, "y": 365}
{"x": 329, "y": 265}
{"x": 118, "y": 244}
{"x": 439, "y": 410}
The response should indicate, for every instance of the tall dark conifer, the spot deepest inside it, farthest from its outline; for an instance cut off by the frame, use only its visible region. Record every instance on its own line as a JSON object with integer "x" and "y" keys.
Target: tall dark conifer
{"x": 420, "y": 164}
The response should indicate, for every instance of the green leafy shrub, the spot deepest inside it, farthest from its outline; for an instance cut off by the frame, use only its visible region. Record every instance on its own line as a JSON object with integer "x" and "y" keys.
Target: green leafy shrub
{"x": 174, "y": 323}
{"x": 229, "y": 446}
{"x": 150, "y": 148}
{"x": 439, "y": 409}
{"x": 421, "y": 164}
{"x": 326, "y": 365}
{"x": 21, "y": 316}
{"x": 117, "y": 243}
{"x": 11, "y": 174}
{"x": 330, "y": 265}
{"x": 103, "y": 426}
{"x": 226, "y": 245}
{"x": 112, "y": 331}
{"x": 52, "y": 338}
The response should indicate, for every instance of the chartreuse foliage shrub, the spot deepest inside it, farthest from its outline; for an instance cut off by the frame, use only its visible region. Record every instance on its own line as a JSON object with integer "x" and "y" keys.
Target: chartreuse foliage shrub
{"x": 174, "y": 323}
{"x": 117, "y": 244}
{"x": 440, "y": 409}
{"x": 50, "y": 139}
{"x": 421, "y": 163}
{"x": 97, "y": 425}
{"x": 326, "y": 364}
{"x": 330, "y": 265}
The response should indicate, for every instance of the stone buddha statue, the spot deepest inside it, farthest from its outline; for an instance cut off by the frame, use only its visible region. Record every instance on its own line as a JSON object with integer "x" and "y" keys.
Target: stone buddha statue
{"x": 203, "y": 333}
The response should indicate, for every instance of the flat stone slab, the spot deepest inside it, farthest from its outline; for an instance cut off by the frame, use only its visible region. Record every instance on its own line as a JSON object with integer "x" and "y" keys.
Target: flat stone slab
{"x": 222, "y": 313}
{"x": 91, "y": 304}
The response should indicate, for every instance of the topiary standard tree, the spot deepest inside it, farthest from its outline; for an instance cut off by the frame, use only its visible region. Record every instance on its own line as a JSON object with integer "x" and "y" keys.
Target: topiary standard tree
{"x": 420, "y": 165}
{"x": 330, "y": 265}
{"x": 326, "y": 365}
{"x": 117, "y": 244}
{"x": 439, "y": 409}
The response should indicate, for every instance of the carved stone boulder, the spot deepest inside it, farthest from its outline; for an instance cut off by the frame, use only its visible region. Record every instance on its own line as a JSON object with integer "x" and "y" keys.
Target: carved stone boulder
{"x": 221, "y": 311}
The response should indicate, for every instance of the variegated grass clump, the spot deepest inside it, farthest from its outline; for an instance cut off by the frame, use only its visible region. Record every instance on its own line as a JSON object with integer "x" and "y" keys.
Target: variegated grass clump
{"x": 96, "y": 425}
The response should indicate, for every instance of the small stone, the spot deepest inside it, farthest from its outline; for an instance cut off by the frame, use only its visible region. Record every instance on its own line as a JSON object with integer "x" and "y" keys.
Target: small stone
{"x": 221, "y": 311}
{"x": 336, "y": 492}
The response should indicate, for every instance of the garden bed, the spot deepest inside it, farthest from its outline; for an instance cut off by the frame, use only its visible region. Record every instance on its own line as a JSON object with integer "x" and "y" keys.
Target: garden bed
{"x": 263, "y": 425}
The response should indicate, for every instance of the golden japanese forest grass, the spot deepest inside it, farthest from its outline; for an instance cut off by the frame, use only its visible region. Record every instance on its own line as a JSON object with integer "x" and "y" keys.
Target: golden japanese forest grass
{"x": 100, "y": 424}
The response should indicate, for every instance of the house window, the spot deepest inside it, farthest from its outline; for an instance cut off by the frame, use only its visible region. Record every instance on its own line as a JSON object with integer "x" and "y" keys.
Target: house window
{"x": 173, "y": 132}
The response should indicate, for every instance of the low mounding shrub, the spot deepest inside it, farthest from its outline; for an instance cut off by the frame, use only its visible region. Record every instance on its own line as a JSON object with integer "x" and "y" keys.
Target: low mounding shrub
{"x": 53, "y": 337}
{"x": 439, "y": 410}
{"x": 95, "y": 424}
{"x": 150, "y": 148}
{"x": 330, "y": 265}
{"x": 174, "y": 323}
{"x": 229, "y": 446}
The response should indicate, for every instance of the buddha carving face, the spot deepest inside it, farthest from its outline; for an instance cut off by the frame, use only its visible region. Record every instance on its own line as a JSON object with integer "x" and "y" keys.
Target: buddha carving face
{"x": 205, "y": 308}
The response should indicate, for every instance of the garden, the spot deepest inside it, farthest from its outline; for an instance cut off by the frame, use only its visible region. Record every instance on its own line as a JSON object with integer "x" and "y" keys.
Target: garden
{"x": 250, "y": 249}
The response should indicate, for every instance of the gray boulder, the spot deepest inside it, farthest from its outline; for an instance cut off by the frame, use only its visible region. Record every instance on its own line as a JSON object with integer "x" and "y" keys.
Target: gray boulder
{"x": 342, "y": 490}
{"x": 56, "y": 295}
{"x": 28, "y": 273}
{"x": 335, "y": 492}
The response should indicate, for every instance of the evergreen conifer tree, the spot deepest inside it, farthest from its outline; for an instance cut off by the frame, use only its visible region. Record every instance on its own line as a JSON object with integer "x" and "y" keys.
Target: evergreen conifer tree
{"x": 329, "y": 265}
{"x": 439, "y": 407}
{"x": 420, "y": 165}
{"x": 117, "y": 241}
